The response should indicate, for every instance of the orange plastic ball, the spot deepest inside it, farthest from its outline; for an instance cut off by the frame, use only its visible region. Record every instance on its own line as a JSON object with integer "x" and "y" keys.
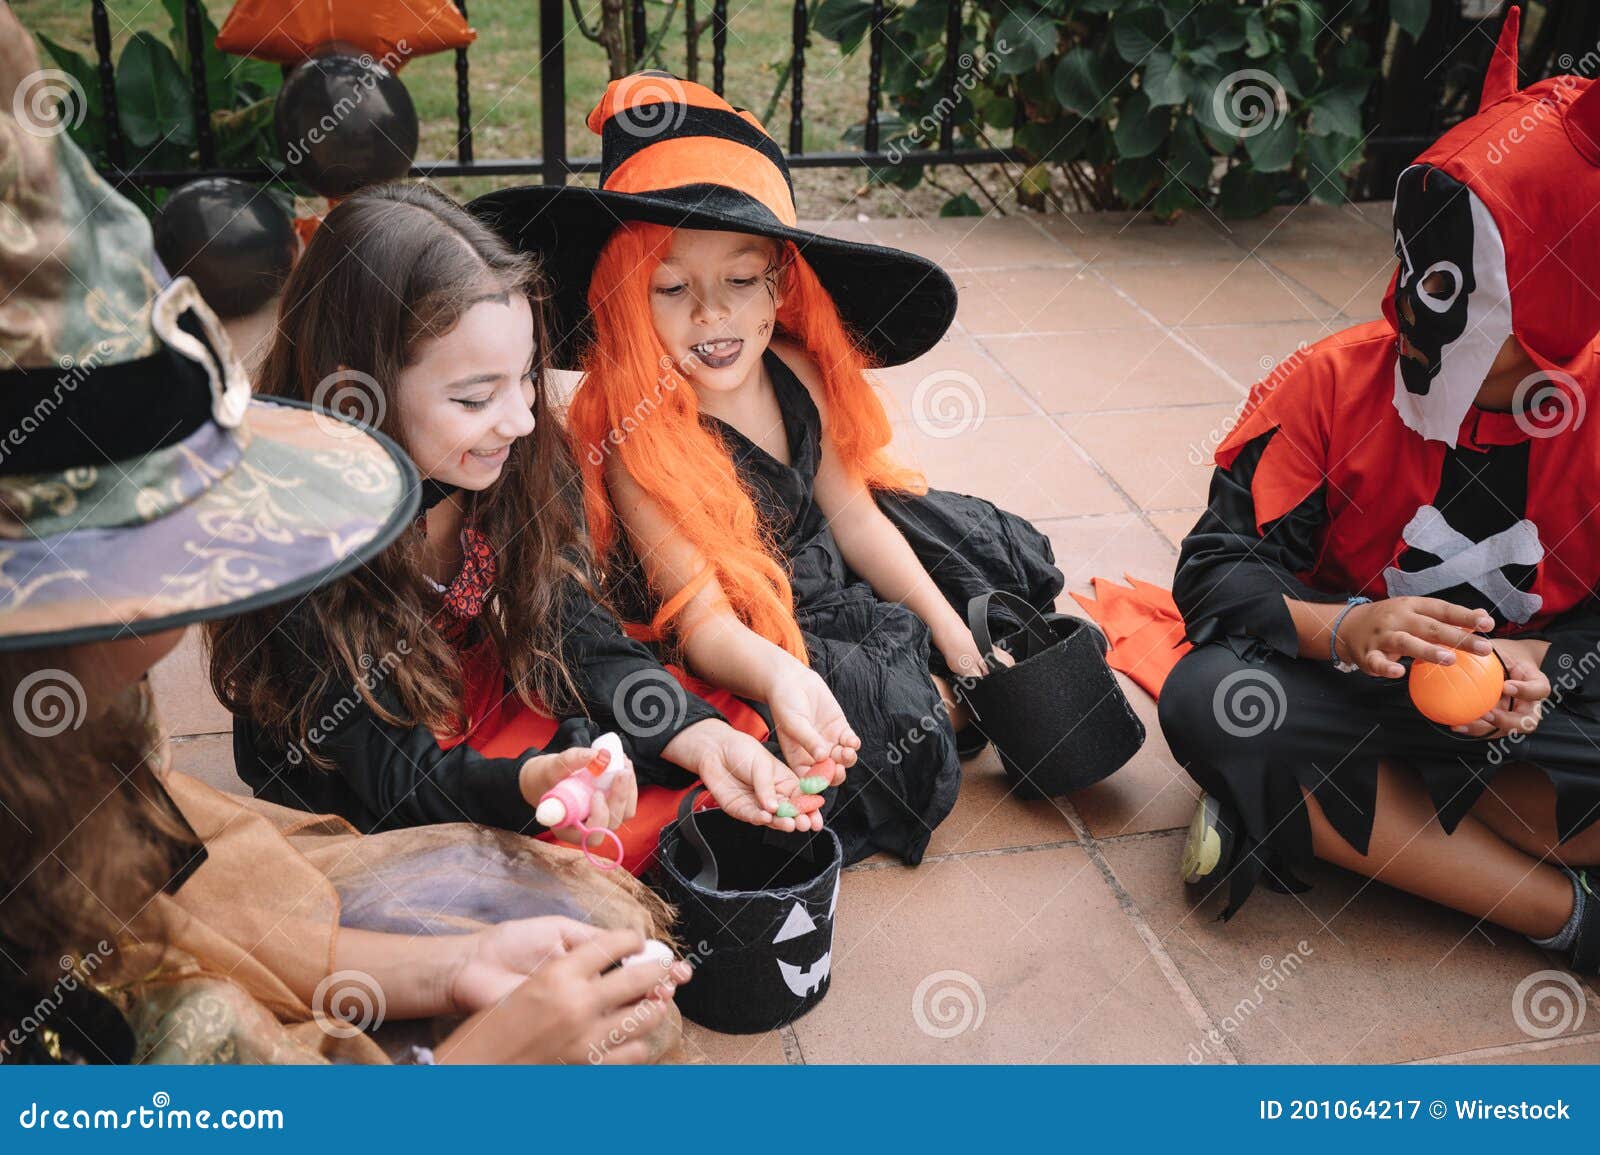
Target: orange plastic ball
{"x": 1457, "y": 694}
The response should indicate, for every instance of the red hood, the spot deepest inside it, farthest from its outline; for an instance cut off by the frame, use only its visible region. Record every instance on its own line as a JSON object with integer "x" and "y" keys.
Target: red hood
{"x": 1532, "y": 156}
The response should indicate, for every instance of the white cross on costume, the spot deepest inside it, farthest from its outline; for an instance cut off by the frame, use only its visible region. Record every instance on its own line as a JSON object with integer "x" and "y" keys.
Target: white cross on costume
{"x": 1465, "y": 562}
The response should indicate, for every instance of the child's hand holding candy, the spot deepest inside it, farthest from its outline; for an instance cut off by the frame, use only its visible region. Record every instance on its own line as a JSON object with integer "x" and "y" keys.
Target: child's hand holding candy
{"x": 611, "y": 803}
{"x": 805, "y": 800}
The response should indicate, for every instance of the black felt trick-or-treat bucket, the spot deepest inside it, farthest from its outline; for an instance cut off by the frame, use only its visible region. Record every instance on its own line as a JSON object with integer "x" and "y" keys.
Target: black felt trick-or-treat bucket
{"x": 755, "y": 916}
{"x": 1057, "y": 717}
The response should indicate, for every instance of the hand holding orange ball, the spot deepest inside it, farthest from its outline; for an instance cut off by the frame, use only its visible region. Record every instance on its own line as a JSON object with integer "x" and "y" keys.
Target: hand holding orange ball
{"x": 1525, "y": 695}
{"x": 1458, "y": 693}
{"x": 1377, "y": 635}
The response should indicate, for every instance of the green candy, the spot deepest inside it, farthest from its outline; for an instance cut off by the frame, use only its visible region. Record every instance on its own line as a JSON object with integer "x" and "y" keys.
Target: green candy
{"x": 813, "y": 784}
{"x": 786, "y": 810}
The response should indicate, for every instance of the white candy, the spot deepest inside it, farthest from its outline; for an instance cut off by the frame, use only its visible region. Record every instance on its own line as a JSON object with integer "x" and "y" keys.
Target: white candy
{"x": 552, "y": 812}
{"x": 619, "y": 760}
{"x": 655, "y": 952}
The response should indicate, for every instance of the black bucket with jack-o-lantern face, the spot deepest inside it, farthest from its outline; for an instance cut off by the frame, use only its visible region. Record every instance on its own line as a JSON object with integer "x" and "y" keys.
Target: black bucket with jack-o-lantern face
{"x": 755, "y": 913}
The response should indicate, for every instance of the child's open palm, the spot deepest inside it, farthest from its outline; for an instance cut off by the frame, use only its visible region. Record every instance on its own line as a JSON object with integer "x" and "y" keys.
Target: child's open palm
{"x": 810, "y": 724}
{"x": 748, "y": 783}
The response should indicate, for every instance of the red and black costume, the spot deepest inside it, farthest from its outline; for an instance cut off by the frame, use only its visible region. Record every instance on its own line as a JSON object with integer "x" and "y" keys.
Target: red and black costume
{"x": 389, "y": 776}
{"x": 1367, "y": 469}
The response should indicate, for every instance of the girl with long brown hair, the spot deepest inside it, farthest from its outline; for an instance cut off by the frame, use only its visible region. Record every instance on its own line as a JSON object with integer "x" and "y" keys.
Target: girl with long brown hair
{"x": 424, "y": 687}
{"x": 143, "y": 915}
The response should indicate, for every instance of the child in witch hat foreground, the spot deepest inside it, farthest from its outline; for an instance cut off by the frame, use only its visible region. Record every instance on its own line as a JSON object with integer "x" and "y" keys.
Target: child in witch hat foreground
{"x": 143, "y": 915}
{"x": 1414, "y": 484}
{"x": 739, "y": 485}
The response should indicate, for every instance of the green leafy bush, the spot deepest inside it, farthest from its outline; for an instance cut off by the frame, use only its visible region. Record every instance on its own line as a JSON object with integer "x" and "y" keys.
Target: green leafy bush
{"x": 155, "y": 105}
{"x": 1165, "y": 104}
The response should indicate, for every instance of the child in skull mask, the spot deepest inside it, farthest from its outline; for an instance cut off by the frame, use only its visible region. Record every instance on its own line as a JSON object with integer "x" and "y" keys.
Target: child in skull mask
{"x": 1418, "y": 486}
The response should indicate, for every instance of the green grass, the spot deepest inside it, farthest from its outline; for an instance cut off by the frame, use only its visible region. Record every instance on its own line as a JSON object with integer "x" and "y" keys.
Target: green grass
{"x": 505, "y": 85}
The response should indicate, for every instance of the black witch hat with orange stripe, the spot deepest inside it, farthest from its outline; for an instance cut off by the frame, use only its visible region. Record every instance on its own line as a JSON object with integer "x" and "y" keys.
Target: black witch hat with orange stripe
{"x": 675, "y": 153}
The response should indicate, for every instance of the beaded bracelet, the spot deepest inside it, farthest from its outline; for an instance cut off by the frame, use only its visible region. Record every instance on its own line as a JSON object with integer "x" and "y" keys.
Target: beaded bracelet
{"x": 1333, "y": 638}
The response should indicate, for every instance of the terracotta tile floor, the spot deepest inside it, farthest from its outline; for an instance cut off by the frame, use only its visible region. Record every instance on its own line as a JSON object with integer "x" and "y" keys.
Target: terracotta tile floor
{"x": 1093, "y": 365}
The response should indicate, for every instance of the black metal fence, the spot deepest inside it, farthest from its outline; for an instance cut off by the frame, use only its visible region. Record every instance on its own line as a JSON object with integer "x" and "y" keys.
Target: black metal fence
{"x": 1425, "y": 86}
{"x": 555, "y": 165}
{"x": 1431, "y": 83}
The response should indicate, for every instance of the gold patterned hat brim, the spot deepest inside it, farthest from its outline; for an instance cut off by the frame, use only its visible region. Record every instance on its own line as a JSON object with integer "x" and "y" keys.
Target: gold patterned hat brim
{"x": 291, "y": 500}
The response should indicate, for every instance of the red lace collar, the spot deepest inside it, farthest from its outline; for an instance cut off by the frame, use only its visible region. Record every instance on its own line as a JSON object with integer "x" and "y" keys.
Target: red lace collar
{"x": 466, "y": 594}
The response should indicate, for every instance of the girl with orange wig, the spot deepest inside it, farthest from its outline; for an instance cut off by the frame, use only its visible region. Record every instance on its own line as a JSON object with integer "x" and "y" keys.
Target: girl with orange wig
{"x": 463, "y": 671}
{"x": 734, "y": 453}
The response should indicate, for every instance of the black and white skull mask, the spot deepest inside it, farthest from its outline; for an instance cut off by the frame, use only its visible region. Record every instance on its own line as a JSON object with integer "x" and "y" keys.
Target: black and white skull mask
{"x": 1451, "y": 302}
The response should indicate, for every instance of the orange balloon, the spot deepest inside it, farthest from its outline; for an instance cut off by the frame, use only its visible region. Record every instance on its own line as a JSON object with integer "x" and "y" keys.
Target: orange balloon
{"x": 1457, "y": 694}
{"x": 392, "y": 31}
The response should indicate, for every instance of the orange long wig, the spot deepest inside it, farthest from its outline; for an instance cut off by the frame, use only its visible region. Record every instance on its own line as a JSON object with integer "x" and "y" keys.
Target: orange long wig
{"x": 633, "y": 403}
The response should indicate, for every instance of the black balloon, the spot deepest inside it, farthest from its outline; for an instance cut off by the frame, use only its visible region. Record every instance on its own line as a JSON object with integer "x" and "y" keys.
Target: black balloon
{"x": 344, "y": 122}
{"x": 232, "y": 238}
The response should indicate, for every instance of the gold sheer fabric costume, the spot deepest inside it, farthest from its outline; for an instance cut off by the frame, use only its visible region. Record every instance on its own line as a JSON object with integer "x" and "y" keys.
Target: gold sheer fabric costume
{"x": 258, "y": 919}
